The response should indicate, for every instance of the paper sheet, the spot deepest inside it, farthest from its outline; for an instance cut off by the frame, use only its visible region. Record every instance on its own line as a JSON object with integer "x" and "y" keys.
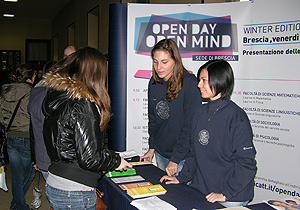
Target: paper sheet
{"x": 128, "y": 154}
{"x": 140, "y": 163}
{"x": 236, "y": 208}
{"x": 3, "y": 181}
{"x": 127, "y": 179}
{"x": 152, "y": 203}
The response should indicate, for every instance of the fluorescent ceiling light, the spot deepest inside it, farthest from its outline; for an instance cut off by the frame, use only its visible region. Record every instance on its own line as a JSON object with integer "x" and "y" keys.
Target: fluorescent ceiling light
{"x": 8, "y": 15}
{"x": 11, "y": 0}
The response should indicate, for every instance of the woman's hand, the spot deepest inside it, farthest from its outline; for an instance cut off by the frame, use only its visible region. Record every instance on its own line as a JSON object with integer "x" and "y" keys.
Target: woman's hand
{"x": 2, "y": 167}
{"x": 169, "y": 180}
{"x": 171, "y": 168}
{"x": 214, "y": 197}
{"x": 148, "y": 156}
{"x": 123, "y": 166}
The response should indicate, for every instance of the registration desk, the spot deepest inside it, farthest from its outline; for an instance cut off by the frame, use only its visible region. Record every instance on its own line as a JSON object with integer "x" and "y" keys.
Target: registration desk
{"x": 181, "y": 196}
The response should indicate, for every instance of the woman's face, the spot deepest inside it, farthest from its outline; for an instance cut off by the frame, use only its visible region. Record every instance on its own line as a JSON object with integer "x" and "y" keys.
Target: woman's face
{"x": 203, "y": 85}
{"x": 163, "y": 64}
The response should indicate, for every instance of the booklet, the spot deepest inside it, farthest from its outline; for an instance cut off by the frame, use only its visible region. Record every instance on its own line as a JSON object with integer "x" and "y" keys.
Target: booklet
{"x": 134, "y": 178}
{"x": 285, "y": 203}
{"x": 134, "y": 185}
{"x": 146, "y": 191}
{"x": 129, "y": 171}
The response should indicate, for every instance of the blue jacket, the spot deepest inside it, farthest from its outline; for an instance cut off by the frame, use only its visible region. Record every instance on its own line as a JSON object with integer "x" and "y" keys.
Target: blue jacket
{"x": 36, "y": 98}
{"x": 169, "y": 124}
{"x": 222, "y": 159}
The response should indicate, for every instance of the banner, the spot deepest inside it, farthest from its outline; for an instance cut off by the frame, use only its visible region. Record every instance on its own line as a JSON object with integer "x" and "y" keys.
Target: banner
{"x": 270, "y": 94}
{"x": 261, "y": 47}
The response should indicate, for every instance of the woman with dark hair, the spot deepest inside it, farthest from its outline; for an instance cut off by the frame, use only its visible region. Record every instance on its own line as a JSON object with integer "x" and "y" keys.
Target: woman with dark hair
{"x": 77, "y": 112}
{"x": 173, "y": 97}
{"x": 18, "y": 143}
{"x": 222, "y": 160}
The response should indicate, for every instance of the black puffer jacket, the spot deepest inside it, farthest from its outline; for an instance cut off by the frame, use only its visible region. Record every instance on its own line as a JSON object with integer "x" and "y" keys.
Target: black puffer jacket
{"x": 74, "y": 141}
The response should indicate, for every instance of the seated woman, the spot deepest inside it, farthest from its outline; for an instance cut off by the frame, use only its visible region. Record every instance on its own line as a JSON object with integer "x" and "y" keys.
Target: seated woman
{"x": 221, "y": 163}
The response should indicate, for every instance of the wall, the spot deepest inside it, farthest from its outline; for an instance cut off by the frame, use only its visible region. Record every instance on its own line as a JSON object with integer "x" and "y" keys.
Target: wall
{"x": 76, "y": 11}
{"x": 14, "y": 32}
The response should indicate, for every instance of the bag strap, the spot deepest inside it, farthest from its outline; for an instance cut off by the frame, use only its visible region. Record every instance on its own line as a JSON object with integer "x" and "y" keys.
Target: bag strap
{"x": 14, "y": 113}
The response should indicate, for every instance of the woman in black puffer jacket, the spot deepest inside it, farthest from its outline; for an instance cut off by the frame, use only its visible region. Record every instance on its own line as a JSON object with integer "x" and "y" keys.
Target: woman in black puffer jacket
{"x": 77, "y": 111}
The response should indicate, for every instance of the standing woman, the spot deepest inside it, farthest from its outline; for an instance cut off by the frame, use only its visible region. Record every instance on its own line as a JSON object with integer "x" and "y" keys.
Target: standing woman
{"x": 173, "y": 97}
{"x": 77, "y": 111}
{"x": 18, "y": 142}
{"x": 222, "y": 163}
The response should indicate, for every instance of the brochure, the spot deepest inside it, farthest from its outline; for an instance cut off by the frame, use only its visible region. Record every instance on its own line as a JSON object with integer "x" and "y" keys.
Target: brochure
{"x": 146, "y": 191}
{"x": 134, "y": 185}
{"x": 128, "y": 172}
{"x": 134, "y": 178}
{"x": 292, "y": 203}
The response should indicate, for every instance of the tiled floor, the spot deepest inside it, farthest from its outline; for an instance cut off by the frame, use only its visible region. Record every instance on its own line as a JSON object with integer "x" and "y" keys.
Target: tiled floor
{"x": 6, "y": 197}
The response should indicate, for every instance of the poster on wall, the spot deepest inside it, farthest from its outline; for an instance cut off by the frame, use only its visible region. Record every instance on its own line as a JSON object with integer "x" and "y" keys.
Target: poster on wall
{"x": 271, "y": 97}
{"x": 262, "y": 49}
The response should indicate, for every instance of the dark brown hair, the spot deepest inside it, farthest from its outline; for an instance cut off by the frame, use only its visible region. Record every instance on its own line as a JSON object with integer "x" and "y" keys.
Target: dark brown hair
{"x": 175, "y": 82}
{"x": 89, "y": 65}
{"x": 24, "y": 72}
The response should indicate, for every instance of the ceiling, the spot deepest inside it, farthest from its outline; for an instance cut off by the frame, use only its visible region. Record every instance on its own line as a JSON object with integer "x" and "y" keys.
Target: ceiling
{"x": 33, "y": 9}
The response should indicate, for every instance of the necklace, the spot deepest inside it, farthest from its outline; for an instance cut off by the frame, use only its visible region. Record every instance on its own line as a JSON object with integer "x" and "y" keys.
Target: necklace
{"x": 215, "y": 112}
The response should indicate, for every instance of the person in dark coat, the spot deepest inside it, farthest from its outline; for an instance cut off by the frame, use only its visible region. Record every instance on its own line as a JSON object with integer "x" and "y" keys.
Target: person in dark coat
{"x": 77, "y": 112}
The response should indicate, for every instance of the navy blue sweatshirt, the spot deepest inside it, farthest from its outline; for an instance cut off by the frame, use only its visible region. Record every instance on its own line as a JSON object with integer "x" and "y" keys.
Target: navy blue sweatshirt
{"x": 169, "y": 123}
{"x": 36, "y": 98}
{"x": 222, "y": 158}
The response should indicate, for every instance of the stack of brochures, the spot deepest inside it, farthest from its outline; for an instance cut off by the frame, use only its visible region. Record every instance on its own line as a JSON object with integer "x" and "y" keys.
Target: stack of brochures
{"x": 146, "y": 191}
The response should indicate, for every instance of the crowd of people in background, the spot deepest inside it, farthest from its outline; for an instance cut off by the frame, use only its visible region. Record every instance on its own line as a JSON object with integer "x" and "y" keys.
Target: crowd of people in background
{"x": 30, "y": 147}
{"x": 206, "y": 146}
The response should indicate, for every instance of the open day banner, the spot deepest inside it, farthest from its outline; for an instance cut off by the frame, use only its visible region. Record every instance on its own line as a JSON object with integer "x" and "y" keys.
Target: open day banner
{"x": 261, "y": 41}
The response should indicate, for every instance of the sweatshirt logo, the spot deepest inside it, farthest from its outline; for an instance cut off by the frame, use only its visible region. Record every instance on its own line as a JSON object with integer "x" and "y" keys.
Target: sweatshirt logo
{"x": 203, "y": 137}
{"x": 163, "y": 110}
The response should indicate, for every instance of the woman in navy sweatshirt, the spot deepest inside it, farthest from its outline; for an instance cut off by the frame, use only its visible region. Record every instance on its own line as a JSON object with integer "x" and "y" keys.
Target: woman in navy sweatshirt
{"x": 173, "y": 98}
{"x": 222, "y": 160}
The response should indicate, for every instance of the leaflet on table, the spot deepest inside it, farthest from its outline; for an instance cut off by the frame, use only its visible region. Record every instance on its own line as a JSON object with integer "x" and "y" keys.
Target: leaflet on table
{"x": 152, "y": 203}
{"x": 285, "y": 203}
{"x": 140, "y": 163}
{"x": 134, "y": 185}
{"x": 146, "y": 191}
{"x": 128, "y": 172}
{"x": 134, "y": 178}
{"x": 128, "y": 154}
{"x": 234, "y": 208}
